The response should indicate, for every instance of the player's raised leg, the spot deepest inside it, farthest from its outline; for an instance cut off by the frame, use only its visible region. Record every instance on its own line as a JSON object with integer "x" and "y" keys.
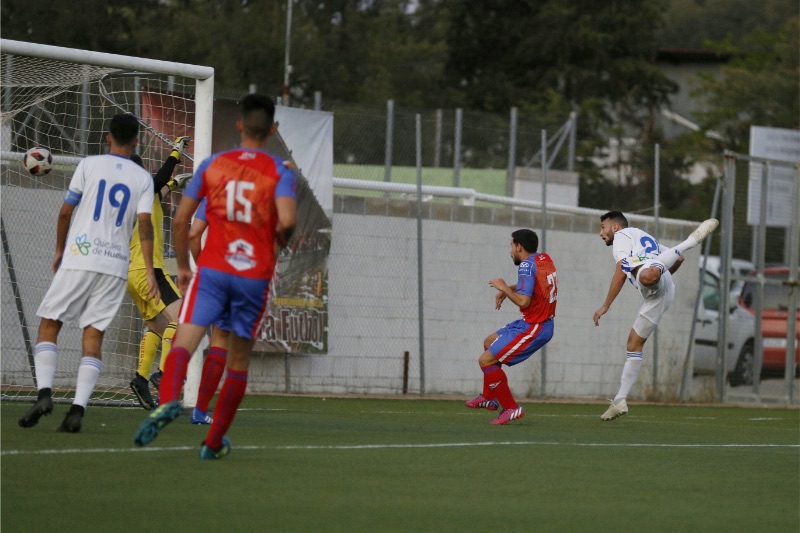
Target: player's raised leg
{"x": 706, "y": 228}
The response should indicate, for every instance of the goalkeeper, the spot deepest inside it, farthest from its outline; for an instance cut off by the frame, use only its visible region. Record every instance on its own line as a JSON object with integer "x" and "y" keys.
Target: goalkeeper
{"x": 160, "y": 316}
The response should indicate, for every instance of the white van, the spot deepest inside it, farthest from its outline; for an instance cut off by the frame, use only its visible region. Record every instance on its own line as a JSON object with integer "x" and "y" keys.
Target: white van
{"x": 739, "y": 354}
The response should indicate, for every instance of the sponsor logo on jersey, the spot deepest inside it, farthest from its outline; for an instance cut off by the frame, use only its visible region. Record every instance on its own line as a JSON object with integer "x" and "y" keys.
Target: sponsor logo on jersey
{"x": 80, "y": 246}
{"x": 240, "y": 255}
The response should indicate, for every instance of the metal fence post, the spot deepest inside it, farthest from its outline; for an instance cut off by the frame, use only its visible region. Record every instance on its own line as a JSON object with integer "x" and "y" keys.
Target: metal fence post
{"x": 543, "y": 242}
{"x": 761, "y": 248}
{"x": 437, "y": 140}
{"x": 573, "y": 127}
{"x": 419, "y": 259}
{"x": 792, "y": 252}
{"x": 656, "y": 203}
{"x": 725, "y": 254}
{"x": 387, "y": 169}
{"x": 457, "y": 148}
{"x": 512, "y": 153}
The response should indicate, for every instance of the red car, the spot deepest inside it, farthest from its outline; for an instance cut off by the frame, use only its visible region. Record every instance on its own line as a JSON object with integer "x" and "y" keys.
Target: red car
{"x": 774, "y": 318}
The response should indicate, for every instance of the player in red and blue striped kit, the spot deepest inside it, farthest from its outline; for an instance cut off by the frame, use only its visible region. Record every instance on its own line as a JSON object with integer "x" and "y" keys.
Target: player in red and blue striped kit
{"x": 536, "y": 295}
{"x": 251, "y": 210}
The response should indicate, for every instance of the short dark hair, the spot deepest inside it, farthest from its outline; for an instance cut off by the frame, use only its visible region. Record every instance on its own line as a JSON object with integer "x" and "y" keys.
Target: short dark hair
{"x": 124, "y": 128}
{"x": 615, "y": 216}
{"x": 258, "y": 115}
{"x": 527, "y": 239}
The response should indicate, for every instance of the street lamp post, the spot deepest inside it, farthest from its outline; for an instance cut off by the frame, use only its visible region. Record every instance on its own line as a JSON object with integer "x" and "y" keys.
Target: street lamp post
{"x": 287, "y": 67}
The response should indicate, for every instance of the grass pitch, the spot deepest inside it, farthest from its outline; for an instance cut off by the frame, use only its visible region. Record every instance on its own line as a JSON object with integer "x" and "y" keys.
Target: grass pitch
{"x": 313, "y": 464}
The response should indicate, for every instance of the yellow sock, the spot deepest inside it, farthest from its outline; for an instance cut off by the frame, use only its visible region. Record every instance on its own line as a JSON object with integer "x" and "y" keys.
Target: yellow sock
{"x": 166, "y": 343}
{"x": 147, "y": 352}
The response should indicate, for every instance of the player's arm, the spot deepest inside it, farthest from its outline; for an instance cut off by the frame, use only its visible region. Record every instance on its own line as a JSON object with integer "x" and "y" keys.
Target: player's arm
{"x": 163, "y": 177}
{"x": 499, "y": 297}
{"x": 199, "y": 225}
{"x": 146, "y": 239}
{"x": 287, "y": 219}
{"x": 520, "y": 300}
{"x": 285, "y": 204}
{"x": 617, "y": 282}
{"x": 180, "y": 235}
{"x": 62, "y": 229}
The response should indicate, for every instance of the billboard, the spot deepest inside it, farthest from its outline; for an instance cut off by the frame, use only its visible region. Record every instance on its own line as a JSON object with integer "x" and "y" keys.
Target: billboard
{"x": 777, "y": 144}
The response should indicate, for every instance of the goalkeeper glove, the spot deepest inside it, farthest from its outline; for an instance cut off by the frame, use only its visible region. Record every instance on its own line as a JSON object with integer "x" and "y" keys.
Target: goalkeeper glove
{"x": 179, "y": 181}
{"x": 179, "y": 147}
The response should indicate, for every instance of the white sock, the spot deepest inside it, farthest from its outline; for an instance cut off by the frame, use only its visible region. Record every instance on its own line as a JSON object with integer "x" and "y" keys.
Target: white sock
{"x": 630, "y": 372}
{"x": 88, "y": 373}
{"x": 45, "y": 359}
{"x": 670, "y": 257}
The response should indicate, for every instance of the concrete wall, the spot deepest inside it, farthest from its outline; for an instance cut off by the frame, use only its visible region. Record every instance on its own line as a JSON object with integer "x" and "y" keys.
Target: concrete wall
{"x": 374, "y": 304}
{"x": 374, "y": 308}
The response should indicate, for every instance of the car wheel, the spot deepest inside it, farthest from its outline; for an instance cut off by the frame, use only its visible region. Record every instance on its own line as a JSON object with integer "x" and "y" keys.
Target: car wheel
{"x": 743, "y": 373}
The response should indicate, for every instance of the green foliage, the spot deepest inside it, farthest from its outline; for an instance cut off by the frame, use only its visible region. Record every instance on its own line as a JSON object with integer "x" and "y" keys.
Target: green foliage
{"x": 546, "y": 57}
{"x": 691, "y": 23}
{"x": 510, "y": 52}
{"x": 759, "y": 86}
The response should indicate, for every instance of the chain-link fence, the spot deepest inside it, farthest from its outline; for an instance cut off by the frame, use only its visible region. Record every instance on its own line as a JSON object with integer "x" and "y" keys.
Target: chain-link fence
{"x": 756, "y": 319}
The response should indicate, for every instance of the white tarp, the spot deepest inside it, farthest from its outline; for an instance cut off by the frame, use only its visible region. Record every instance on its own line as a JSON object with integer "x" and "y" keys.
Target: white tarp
{"x": 309, "y": 136}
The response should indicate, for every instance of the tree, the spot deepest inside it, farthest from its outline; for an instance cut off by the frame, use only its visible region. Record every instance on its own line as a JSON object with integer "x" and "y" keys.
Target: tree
{"x": 759, "y": 86}
{"x": 692, "y": 23}
{"x": 508, "y": 52}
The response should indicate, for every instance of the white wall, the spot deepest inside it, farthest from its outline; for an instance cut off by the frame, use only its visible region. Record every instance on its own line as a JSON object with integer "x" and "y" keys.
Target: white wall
{"x": 373, "y": 309}
{"x": 373, "y": 314}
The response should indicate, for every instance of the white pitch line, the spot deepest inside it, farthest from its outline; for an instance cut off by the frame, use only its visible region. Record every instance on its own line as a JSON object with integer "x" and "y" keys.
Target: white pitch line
{"x": 393, "y": 446}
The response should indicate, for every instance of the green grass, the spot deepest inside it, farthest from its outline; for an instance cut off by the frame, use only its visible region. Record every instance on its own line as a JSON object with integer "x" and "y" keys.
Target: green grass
{"x": 308, "y": 464}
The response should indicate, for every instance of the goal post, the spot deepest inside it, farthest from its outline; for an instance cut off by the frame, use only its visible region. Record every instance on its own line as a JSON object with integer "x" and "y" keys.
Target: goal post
{"x": 61, "y": 99}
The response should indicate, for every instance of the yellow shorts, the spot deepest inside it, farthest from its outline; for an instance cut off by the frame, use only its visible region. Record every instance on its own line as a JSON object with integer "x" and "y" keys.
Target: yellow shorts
{"x": 137, "y": 288}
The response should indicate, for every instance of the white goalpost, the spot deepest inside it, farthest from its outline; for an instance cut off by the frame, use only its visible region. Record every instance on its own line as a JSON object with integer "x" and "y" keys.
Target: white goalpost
{"x": 61, "y": 99}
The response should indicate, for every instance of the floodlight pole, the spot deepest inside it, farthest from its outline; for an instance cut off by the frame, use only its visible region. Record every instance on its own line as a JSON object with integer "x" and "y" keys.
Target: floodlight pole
{"x": 287, "y": 67}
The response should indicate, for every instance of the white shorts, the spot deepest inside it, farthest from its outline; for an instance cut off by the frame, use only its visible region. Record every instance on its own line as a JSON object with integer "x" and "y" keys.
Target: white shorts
{"x": 90, "y": 298}
{"x": 656, "y": 302}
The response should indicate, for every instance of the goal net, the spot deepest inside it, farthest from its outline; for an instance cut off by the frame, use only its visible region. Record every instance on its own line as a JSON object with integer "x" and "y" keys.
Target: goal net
{"x": 61, "y": 99}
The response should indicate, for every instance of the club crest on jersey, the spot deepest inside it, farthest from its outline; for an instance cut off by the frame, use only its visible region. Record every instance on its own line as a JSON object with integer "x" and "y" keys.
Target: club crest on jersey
{"x": 240, "y": 255}
{"x": 247, "y": 156}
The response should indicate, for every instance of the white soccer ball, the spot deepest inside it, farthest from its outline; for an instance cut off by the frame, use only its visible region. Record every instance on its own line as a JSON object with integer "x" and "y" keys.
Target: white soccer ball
{"x": 38, "y": 161}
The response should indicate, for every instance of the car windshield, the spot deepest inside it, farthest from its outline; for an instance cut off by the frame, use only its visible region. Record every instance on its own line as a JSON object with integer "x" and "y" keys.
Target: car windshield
{"x": 775, "y": 296}
{"x": 710, "y": 291}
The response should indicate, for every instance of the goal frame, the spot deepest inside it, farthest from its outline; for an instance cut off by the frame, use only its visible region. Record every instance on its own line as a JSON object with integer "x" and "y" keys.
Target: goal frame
{"x": 204, "y": 76}
{"x": 203, "y": 124}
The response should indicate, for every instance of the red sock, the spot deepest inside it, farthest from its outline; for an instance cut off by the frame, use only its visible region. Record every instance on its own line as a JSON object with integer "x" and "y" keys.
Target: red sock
{"x": 230, "y": 397}
{"x": 489, "y": 381}
{"x": 495, "y": 382}
{"x": 174, "y": 374}
{"x": 213, "y": 367}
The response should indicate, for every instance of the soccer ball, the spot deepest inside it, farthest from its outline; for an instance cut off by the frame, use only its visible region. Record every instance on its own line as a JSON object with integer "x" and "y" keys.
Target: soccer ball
{"x": 38, "y": 161}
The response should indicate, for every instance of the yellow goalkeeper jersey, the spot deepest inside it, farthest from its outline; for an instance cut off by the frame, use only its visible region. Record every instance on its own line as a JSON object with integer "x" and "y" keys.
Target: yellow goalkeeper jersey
{"x": 137, "y": 258}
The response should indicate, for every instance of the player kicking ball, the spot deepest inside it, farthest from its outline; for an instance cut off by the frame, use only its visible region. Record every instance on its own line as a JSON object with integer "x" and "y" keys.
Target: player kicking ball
{"x": 648, "y": 266}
